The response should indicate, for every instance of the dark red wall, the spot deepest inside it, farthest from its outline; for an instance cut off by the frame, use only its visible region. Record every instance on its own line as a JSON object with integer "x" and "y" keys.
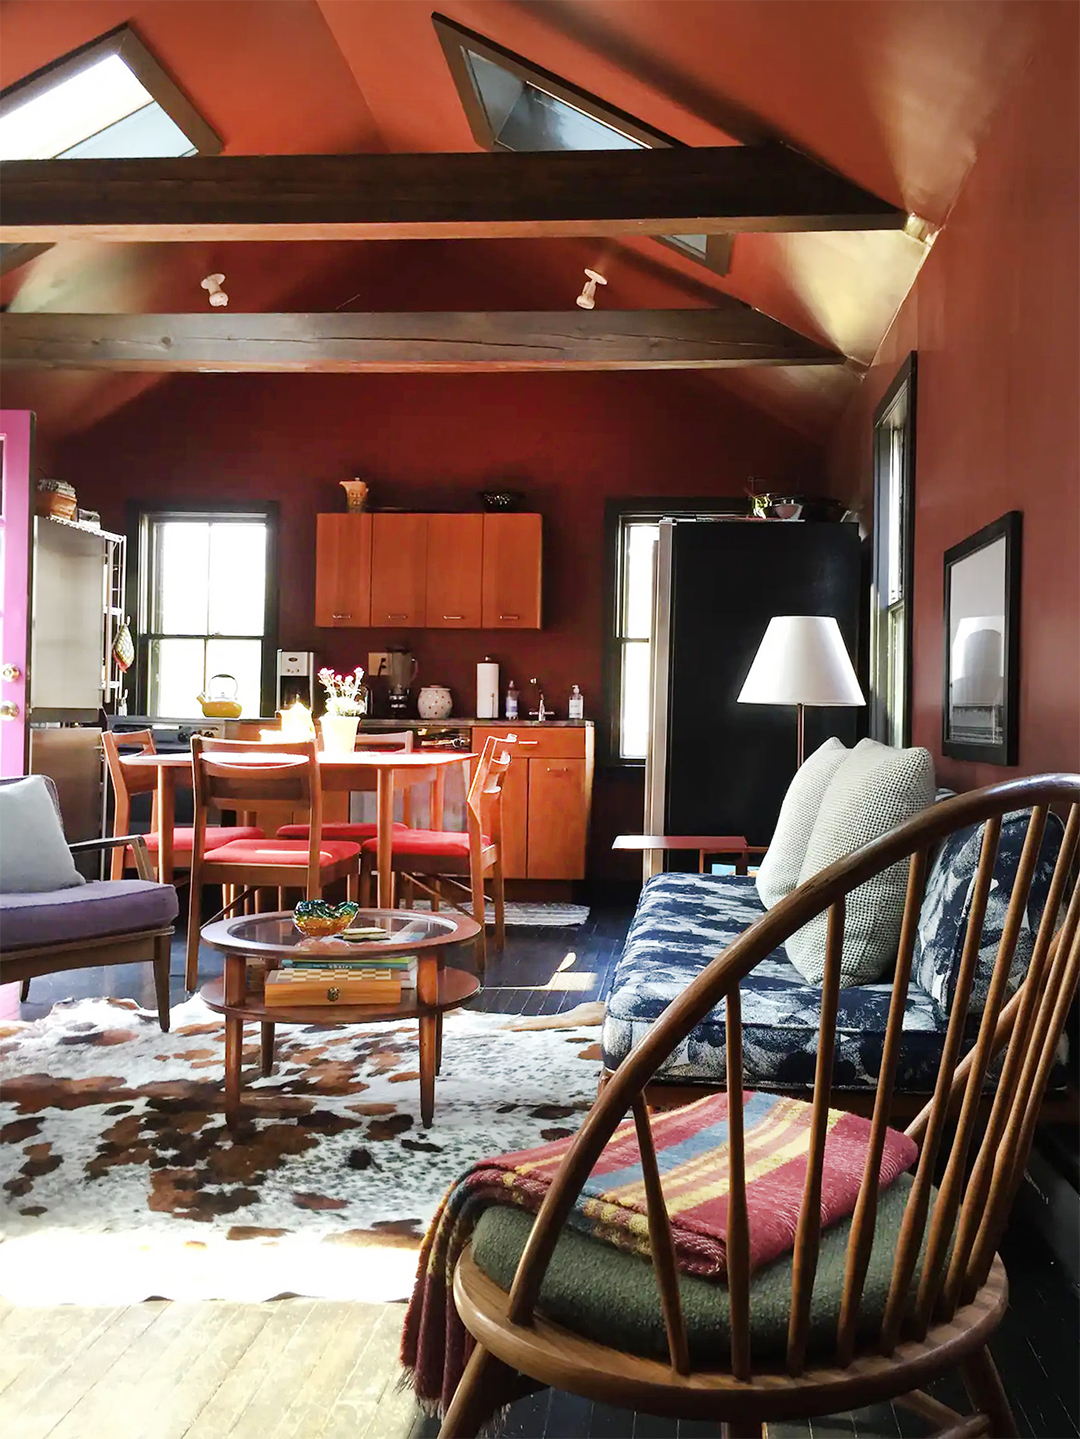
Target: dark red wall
{"x": 569, "y": 441}
{"x": 993, "y": 316}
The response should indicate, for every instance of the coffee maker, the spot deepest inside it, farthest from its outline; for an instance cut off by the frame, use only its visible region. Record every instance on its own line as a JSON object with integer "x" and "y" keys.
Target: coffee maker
{"x": 400, "y": 671}
{"x": 296, "y": 675}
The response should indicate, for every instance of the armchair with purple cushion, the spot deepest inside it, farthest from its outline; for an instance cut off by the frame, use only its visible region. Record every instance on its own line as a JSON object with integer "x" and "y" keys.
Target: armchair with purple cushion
{"x": 77, "y": 924}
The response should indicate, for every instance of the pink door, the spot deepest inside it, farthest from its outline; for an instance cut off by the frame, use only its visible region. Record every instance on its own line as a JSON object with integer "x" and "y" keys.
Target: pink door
{"x": 16, "y": 437}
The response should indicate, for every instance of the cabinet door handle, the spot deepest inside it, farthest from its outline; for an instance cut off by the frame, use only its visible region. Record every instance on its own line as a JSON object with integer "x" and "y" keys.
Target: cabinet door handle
{"x": 509, "y": 617}
{"x": 397, "y": 617}
{"x": 453, "y": 617}
{"x": 558, "y": 769}
{"x": 528, "y": 741}
{"x": 346, "y": 616}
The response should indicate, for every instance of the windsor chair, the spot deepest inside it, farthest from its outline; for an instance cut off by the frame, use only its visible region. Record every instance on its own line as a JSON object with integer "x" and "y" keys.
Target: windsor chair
{"x": 909, "y": 1303}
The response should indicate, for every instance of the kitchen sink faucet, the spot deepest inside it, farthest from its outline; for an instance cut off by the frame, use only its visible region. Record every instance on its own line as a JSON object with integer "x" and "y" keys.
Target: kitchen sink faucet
{"x": 539, "y": 713}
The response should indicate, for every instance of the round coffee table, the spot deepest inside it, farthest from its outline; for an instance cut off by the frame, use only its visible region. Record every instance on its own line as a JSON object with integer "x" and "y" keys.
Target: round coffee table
{"x": 255, "y": 944}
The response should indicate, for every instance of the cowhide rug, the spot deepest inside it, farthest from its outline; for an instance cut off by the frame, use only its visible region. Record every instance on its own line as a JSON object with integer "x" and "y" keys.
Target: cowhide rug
{"x": 120, "y": 1179}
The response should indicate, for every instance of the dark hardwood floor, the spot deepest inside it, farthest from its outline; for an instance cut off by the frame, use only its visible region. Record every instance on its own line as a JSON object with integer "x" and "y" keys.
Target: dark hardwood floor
{"x": 1036, "y": 1348}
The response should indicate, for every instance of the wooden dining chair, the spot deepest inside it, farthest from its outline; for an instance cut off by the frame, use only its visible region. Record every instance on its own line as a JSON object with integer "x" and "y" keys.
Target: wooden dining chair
{"x": 235, "y": 774}
{"x": 127, "y": 782}
{"x": 910, "y": 1287}
{"x": 437, "y": 861}
{"x": 363, "y": 829}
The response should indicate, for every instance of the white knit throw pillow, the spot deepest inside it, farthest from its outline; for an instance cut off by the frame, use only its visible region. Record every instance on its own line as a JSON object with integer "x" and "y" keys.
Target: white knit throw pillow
{"x": 778, "y": 873}
{"x": 873, "y": 790}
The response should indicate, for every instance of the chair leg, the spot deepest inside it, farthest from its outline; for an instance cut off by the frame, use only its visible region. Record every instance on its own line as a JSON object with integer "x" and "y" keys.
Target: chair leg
{"x": 266, "y": 1048}
{"x": 352, "y": 886}
{"x": 498, "y": 893}
{"x": 24, "y": 991}
{"x": 162, "y": 947}
{"x": 485, "y": 1387}
{"x": 478, "y": 915}
{"x": 436, "y": 895}
{"x": 365, "y": 883}
{"x": 191, "y": 961}
{"x": 983, "y": 1384}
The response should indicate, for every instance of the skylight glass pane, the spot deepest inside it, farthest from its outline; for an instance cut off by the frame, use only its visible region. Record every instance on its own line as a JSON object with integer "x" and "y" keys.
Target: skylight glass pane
{"x": 148, "y": 132}
{"x": 525, "y": 118}
{"x": 71, "y": 111}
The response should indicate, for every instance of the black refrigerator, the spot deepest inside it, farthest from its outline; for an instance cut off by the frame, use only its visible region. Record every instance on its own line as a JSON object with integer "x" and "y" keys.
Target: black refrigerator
{"x": 716, "y": 766}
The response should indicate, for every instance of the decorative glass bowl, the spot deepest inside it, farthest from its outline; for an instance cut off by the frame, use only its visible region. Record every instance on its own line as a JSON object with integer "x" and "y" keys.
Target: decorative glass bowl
{"x": 318, "y": 919}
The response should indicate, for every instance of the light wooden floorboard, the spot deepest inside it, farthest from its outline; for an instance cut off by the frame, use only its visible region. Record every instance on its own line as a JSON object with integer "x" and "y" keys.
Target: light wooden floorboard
{"x": 287, "y": 1369}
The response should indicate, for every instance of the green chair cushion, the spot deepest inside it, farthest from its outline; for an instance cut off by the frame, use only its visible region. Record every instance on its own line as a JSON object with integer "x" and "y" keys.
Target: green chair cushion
{"x": 604, "y": 1294}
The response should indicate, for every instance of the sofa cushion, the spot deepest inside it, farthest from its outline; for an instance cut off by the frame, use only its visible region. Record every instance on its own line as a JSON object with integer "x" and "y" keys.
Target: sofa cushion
{"x": 597, "y": 1290}
{"x": 778, "y": 873}
{"x": 683, "y": 921}
{"x": 103, "y": 906}
{"x": 950, "y": 887}
{"x": 34, "y": 856}
{"x": 873, "y": 790}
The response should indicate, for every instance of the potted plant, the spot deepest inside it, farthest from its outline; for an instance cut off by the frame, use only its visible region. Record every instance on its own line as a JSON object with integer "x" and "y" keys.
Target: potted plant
{"x": 346, "y": 703}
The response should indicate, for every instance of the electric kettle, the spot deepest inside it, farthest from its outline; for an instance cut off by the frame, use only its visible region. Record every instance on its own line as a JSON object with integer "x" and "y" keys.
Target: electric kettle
{"x": 219, "y": 701}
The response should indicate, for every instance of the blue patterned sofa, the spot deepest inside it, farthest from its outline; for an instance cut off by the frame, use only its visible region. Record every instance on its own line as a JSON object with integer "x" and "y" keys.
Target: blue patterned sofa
{"x": 683, "y": 921}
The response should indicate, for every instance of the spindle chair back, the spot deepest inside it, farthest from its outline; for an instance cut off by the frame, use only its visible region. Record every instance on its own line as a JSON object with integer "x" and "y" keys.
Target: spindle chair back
{"x": 948, "y": 1289}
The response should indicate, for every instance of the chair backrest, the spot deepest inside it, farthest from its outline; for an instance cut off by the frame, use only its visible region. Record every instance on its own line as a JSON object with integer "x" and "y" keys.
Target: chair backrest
{"x": 947, "y": 1239}
{"x": 126, "y": 782}
{"x": 483, "y": 802}
{"x": 242, "y": 774}
{"x": 395, "y": 739}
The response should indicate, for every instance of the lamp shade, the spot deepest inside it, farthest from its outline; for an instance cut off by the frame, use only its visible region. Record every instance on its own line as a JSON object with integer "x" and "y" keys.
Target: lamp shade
{"x": 802, "y": 660}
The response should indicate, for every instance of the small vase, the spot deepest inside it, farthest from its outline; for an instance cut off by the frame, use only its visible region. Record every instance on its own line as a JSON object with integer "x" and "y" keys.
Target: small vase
{"x": 339, "y": 733}
{"x": 434, "y": 702}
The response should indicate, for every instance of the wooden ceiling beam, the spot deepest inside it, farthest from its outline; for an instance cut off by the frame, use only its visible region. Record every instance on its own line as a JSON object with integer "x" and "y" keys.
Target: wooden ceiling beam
{"x": 421, "y": 196}
{"x": 523, "y": 340}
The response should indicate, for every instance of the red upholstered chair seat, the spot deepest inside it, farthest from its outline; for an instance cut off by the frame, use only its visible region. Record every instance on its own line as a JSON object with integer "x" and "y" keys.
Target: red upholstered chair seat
{"x": 352, "y": 832}
{"x": 280, "y": 851}
{"x": 425, "y": 842}
{"x": 216, "y": 836}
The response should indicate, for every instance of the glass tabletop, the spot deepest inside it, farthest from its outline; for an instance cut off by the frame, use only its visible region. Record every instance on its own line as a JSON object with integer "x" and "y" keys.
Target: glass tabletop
{"x": 403, "y": 929}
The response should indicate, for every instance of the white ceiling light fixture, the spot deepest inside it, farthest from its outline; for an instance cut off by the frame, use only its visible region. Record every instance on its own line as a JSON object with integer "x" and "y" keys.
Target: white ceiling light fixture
{"x": 587, "y": 299}
{"x": 216, "y": 295}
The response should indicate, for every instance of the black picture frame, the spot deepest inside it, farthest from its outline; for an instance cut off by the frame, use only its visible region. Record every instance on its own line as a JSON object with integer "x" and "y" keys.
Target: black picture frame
{"x": 981, "y": 694}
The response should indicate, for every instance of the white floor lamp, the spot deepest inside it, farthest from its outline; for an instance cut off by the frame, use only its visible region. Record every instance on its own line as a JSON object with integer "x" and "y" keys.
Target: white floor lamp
{"x": 802, "y": 660}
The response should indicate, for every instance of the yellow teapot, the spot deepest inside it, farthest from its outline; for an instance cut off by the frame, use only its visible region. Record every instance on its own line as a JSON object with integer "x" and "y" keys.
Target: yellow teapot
{"x": 219, "y": 701}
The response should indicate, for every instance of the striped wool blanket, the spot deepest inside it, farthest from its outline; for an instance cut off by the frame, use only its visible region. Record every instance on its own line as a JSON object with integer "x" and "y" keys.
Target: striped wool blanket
{"x": 692, "y": 1153}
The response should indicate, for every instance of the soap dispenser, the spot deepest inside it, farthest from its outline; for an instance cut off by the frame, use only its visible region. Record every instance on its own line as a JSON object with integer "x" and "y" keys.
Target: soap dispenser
{"x": 511, "y": 701}
{"x": 575, "y": 708}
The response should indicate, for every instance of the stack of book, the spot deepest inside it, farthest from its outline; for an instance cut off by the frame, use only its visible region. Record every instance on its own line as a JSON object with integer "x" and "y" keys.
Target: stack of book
{"x": 365, "y": 979}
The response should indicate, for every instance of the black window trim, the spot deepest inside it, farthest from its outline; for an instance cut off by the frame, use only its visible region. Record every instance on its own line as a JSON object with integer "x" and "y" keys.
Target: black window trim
{"x": 904, "y": 383}
{"x": 237, "y": 510}
{"x": 617, "y": 512}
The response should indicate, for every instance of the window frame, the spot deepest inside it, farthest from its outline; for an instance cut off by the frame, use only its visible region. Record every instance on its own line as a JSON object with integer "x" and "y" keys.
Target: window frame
{"x": 124, "y": 42}
{"x": 902, "y": 393}
{"x": 618, "y": 515}
{"x": 455, "y": 39}
{"x": 139, "y": 518}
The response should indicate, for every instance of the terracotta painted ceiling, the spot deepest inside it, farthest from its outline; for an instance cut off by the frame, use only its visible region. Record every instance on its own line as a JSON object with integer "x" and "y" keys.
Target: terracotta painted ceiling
{"x": 895, "y": 94}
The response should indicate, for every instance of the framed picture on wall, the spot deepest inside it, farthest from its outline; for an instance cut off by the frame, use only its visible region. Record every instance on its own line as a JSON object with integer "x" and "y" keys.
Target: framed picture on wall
{"x": 982, "y": 644}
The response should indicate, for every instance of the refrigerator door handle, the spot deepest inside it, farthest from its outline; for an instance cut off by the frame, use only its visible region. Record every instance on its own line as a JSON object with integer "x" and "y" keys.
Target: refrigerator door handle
{"x": 656, "y": 759}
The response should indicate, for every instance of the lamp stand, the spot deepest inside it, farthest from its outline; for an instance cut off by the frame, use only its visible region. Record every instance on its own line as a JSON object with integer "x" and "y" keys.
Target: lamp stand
{"x": 802, "y": 737}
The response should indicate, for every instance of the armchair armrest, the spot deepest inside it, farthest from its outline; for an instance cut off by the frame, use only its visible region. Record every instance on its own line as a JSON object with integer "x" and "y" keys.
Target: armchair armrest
{"x": 137, "y": 842}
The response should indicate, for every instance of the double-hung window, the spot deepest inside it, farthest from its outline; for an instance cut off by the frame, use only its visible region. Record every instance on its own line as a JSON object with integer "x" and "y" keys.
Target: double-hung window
{"x": 890, "y": 636}
{"x": 205, "y": 607}
{"x": 634, "y": 529}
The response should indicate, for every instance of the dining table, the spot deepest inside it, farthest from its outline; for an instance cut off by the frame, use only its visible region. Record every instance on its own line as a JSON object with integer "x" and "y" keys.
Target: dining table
{"x": 384, "y": 771}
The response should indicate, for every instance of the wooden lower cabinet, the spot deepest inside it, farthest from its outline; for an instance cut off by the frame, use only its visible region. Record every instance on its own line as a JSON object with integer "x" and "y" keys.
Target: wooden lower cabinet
{"x": 547, "y": 795}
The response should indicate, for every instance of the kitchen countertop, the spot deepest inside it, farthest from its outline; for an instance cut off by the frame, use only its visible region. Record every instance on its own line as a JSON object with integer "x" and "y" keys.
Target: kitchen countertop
{"x": 452, "y": 722}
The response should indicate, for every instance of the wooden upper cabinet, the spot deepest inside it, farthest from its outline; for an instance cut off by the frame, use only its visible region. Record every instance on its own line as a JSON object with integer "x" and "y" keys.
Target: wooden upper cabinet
{"x": 343, "y": 570}
{"x": 398, "y": 569}
{"x": 513, "y": 550}
{"x": 455, "y": 548}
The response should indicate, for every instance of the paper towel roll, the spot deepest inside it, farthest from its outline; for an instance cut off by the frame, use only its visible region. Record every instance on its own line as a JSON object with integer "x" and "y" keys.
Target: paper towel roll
{"x": 487, "y": 690}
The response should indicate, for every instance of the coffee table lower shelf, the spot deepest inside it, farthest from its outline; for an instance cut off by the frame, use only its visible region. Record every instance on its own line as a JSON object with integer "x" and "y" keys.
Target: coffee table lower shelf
{"x": 455, "y": 987}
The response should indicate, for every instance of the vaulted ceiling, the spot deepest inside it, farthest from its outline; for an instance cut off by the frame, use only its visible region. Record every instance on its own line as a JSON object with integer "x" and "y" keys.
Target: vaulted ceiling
{"x": 897, "y": 95}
